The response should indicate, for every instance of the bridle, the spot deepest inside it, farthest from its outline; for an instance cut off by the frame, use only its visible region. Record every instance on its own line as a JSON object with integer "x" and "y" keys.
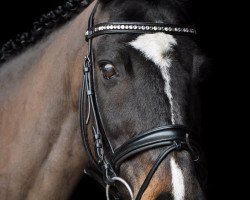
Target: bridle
{"x": 173, "y": 137}
{"x": 107, "y": 161}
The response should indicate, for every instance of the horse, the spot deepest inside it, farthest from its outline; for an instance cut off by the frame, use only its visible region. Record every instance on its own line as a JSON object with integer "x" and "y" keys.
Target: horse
{"x": 138, "y": 100}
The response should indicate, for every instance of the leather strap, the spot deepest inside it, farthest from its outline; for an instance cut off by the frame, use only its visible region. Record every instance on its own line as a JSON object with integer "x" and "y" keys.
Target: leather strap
{"x": 138, "y": 28}
{"x": 155, "y": 138}
{"x": 157, "y": 163}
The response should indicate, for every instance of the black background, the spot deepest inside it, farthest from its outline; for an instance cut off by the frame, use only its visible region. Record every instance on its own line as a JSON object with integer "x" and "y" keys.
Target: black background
{"x": 221, "y": 94}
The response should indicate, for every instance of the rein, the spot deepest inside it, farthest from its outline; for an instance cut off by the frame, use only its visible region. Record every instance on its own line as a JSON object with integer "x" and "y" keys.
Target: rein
{"x": 106, "y": 160}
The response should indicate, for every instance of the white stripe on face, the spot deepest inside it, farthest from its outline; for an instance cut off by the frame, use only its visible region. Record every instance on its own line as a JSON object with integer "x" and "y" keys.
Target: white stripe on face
{"x": 155, "y": 47}
{"x": 178, "y": 188}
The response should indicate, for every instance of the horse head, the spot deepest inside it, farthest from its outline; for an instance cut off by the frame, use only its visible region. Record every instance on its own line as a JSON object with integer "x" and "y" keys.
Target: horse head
{"x": 145, "y": 84}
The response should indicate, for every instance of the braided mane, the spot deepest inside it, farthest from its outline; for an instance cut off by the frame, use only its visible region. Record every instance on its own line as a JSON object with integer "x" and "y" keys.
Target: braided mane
{"x": 42, "y": 27}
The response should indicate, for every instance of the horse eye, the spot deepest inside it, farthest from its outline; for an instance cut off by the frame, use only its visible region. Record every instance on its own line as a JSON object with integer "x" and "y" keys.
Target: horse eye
{"x": 108, "y": 70}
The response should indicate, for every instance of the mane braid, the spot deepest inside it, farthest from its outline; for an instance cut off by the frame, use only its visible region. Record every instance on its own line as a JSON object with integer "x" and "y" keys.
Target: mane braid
{"x": 45, "y": 25}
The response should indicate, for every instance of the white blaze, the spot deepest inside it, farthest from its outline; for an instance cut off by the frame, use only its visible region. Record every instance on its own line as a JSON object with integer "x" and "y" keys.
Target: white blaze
{"x": 155, "y": 47}
{"x": 178, "y": 188}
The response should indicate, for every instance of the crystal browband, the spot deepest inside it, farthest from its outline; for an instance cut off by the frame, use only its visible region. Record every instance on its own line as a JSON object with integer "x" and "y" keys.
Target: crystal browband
{"x": 138, "y": 27}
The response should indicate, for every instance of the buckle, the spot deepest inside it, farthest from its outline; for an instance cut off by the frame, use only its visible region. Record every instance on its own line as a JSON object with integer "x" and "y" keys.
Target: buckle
{"x": 88, "y": 33}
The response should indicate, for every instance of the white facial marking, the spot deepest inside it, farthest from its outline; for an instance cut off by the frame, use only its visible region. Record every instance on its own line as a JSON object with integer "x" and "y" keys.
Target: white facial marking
{"x": 155, "y": 47}
{"x": 178, "y": 191}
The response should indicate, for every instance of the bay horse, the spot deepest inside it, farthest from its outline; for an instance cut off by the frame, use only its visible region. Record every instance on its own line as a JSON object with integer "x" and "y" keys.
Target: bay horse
{"x": 139, "y": 95}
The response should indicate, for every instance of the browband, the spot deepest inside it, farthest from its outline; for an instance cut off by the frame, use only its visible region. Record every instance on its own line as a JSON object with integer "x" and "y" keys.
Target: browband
{"x": 137, "y": 27}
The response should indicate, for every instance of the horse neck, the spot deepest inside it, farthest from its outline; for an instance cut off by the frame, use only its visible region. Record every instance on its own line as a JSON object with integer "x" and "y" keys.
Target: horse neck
{"x": 41, "y": 154}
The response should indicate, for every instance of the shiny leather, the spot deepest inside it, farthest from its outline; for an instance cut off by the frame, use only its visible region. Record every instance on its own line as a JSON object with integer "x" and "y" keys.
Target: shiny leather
{"x": 155, "y": 138}
{"x": 91, "y": 33}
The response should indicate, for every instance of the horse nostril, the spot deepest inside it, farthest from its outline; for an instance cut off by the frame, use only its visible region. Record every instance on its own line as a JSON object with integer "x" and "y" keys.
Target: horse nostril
{"x": 165, "y": 196}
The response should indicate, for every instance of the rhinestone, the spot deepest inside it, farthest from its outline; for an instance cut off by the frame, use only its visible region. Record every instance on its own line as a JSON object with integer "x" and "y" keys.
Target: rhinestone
{"x": 166, "y": 29}
{"x": 126, "y": 26}
{"x": 122, "y": 26}
{"x": 159, "y": 28}
{"x": 135, "y": 27}
{"x": 155, "y": 28}
{"x": 111, "y": 27}
{"x": 118, "y": 27}
{"x": 170, "y": 29}
{"x": 143, "y": 27}
{"x": 104, "y": 27}
{"x": 115, "y": 27}
{"x": 147, "y": 27}
{"x": 130, "y": 27}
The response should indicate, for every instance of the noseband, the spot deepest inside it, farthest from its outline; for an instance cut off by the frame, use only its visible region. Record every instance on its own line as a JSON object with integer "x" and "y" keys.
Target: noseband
{"x": 105, "y": 159}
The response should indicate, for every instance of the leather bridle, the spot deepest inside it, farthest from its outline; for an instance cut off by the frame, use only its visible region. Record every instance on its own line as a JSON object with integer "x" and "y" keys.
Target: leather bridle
{"x": 107, "y": 161}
